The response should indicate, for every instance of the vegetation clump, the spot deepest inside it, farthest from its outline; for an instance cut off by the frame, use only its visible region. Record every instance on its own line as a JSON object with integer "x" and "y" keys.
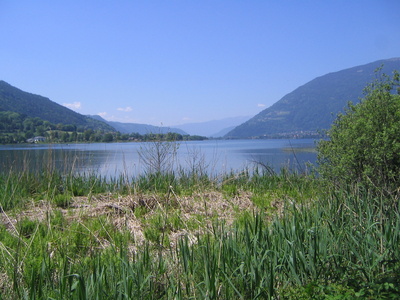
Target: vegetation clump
{"x": 363, "y": 144}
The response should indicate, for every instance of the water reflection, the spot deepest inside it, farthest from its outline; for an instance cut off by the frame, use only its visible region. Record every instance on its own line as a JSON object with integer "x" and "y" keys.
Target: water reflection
{"x": 115, "y": 159}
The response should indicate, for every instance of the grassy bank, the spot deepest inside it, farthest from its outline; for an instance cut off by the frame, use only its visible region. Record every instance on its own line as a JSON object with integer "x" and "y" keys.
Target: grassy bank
{"x": 191, "y": 236}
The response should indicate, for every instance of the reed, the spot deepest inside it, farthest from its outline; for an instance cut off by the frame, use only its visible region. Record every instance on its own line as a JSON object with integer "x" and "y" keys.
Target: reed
{"x": 321, "y": 242}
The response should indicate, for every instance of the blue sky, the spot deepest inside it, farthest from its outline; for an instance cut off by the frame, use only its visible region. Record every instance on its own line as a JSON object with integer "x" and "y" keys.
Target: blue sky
{"x": 175, "y": 62}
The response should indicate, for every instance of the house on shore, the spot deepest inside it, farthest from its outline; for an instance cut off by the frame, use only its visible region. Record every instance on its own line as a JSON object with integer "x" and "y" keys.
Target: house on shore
{"x": 36, "y": 139}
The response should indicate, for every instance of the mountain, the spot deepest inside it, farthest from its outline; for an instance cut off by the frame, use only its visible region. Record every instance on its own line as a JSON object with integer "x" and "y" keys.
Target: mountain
{"x": 214, "y": 128}
{"x": 16, "y": 100}
{"x": 222, "y": 132}
{"x": 313, "y": 106}
{"x": 137, "y": 128}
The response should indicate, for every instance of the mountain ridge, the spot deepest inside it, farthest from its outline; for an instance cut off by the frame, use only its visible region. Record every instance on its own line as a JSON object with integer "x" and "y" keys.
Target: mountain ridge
{"x": 16, "y": 100}
{"x": 33, "y": 105}
{"x": 213, "y": 128}
{"x": 313, "y": 106}
{"x": 137, "y": 127}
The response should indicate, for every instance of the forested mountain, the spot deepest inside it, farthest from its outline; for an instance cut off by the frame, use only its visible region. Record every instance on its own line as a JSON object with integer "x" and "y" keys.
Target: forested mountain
{"x": 313, "y": 106}
{"x": 26, "y": 117}
{"x": 35, "y": 106}
{"x": 17, "y": 128}
{"x": 138, "y": 128}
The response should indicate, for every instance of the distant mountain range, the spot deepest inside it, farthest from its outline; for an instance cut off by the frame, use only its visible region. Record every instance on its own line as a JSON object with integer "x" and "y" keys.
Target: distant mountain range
{"x": 214, "y": 128}
{"x": 138, "y": 128}
{"x": 313, "y": 106}
{"x": 305, "y": 111}
{"x": 16, "y": 100}
{"x": 31, "y": 105}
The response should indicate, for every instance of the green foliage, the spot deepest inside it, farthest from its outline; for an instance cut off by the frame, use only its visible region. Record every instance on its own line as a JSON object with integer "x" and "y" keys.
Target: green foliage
{"x": 62, "y": 200}
{"x": 18, "y": 128}
{"x": 230, "y": 190}
{"x": 27, "y": 227}
{"x": 35, "y": 106}
{"x": 364, "y": 143}
{"x": 24, "y": 116}
{"x": 325, "y": 243}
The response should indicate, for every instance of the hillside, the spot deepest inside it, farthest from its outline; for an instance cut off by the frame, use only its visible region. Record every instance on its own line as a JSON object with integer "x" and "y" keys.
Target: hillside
{"x": 16, "y": 100}
{"x": 214, "y": 128}
{"x": 313, "y": 106}
{"x": 138, "y": 128}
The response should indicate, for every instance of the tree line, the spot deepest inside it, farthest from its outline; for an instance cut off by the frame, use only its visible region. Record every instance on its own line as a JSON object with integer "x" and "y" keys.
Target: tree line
{"x": 18, "y": 128}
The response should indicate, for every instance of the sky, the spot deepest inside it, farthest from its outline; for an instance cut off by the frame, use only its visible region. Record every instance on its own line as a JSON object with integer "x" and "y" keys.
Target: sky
{"x": 171, "y": 62}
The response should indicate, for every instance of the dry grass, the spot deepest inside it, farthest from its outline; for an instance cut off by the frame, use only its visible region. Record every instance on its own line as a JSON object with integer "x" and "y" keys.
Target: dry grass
{"x": 120, "y": 211}
{"x": 5, "y": 283}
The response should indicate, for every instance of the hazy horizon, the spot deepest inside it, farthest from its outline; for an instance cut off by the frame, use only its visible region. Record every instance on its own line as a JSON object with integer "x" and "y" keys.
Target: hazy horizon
{"x": 184, "y": 62}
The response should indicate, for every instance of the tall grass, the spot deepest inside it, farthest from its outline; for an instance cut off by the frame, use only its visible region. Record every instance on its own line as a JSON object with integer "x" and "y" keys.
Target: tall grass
{"x": 325, "y": 242}
{"x": 318, "y": 250}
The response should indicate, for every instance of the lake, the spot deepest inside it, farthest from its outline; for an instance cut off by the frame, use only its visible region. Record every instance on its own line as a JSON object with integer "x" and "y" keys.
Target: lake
{"x": 114, "y": 159}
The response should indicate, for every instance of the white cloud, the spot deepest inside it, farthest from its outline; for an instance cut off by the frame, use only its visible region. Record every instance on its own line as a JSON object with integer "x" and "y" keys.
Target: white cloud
{"x": 74, "y": 105}
{"x": 126, "y": 109}
{"x": 102, "y": 114}
{"x": 260, "y": 105}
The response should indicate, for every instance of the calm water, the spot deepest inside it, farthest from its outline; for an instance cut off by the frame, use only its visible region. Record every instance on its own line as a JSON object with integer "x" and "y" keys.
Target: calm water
{"x": 114, "y": 159}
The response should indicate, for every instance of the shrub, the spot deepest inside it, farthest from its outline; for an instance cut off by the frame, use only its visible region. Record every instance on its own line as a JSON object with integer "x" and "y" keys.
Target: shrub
{"x": 364, "y": 142}
{"x": 158, "y": 155}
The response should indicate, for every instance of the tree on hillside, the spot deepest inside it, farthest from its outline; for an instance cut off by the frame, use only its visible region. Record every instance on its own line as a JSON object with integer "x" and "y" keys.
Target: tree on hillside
{"x": 363, "y": 144}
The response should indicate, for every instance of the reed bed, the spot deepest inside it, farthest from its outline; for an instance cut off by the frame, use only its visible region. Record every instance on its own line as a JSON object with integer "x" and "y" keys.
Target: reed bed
{"x": 246, "y": 235}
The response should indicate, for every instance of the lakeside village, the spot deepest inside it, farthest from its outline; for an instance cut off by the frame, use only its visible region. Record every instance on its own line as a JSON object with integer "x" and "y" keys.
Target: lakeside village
{"x": 135, "y": 137}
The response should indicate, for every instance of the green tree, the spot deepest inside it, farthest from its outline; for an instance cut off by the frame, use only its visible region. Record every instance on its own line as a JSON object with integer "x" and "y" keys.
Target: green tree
{"x": 87, "y": 134}
{"x": 124, "y": 137}
{"x": 40, "y": 130}
{"x": 73, "y": 137}
{"x": 48, "y": 126}
{"x": 28, "y": 124}
{"x": 108, "y": 138}
{"x": 363, "y": 144}
{"x": 65, "y": 137}
{"x": 29, "y": 134}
